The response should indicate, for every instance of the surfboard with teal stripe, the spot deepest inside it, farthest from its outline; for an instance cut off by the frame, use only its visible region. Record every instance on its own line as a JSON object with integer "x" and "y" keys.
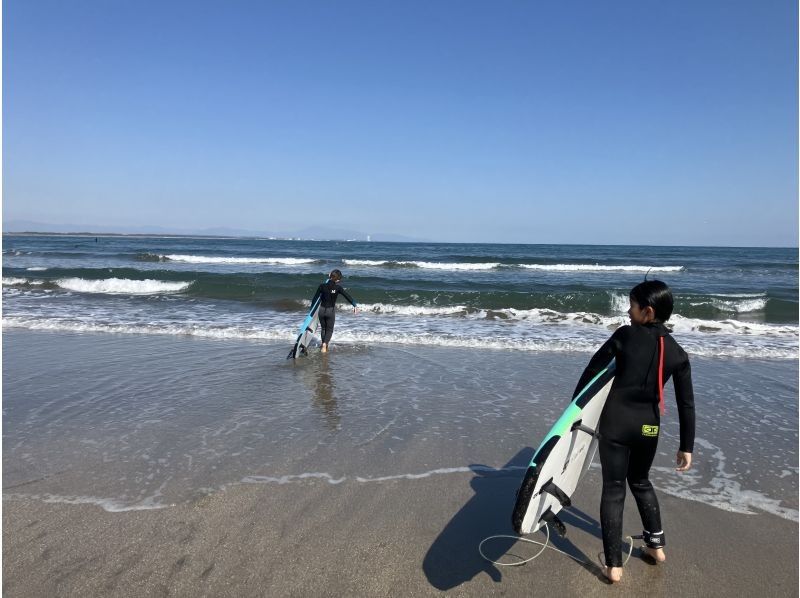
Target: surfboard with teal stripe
{"x": 562, "y": 458}
{"x": 307, "y": 330}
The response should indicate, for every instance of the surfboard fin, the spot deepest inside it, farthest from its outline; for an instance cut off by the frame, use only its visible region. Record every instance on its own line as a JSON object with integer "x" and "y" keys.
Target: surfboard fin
{"x": 560, "y": 495}
{"x": 554, "y": 522}
{"x": 578, "y": 425}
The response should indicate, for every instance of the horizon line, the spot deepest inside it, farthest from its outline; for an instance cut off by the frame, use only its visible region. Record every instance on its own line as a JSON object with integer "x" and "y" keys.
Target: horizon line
{"x": 290, "y": 238}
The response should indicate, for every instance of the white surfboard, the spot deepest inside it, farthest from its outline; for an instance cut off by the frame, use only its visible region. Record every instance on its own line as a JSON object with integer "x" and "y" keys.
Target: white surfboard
{"x": 562, "y": 458}
{"x": 306, "y": 332}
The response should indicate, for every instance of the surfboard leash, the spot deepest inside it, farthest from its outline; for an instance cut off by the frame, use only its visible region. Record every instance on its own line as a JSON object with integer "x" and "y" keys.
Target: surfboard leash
{"x": 545, "y": 545}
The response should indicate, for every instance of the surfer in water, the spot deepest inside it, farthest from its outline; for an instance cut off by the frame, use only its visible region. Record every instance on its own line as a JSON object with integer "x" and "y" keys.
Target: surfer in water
{"x": 646, "y": 356}
{"x": 329, "y": 292}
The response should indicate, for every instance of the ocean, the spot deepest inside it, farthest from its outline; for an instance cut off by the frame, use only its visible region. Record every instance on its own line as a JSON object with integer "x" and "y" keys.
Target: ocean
{"x": 730, "y": 302}
{"x": 145, "y": 372}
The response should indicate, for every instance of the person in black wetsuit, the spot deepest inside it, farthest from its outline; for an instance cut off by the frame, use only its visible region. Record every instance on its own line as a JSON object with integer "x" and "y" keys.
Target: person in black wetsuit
{"x": 646, "y": 356}
{"x": 329, "y": 291}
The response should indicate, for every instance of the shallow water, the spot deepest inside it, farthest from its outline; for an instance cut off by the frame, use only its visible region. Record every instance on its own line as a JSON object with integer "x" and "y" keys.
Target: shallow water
{"x": 140, "y": 421}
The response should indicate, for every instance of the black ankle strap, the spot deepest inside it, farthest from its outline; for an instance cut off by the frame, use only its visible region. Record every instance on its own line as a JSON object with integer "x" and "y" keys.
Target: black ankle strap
{"x": 654, "y": 540}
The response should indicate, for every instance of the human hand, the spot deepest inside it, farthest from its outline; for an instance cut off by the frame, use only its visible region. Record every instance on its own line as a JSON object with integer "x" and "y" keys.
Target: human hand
{"x": 683, "y": 460}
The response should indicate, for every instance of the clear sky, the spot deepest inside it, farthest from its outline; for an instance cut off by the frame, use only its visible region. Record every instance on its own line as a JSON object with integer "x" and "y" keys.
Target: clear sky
{"x": 521, "y": 121}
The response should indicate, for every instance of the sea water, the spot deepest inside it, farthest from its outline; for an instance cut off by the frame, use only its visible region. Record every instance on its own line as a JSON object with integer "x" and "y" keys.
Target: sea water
{"x": 144, "y": 372}
{"x": 737, "y": 302}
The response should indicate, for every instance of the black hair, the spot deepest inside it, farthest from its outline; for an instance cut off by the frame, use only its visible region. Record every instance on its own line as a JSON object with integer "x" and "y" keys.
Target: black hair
{"x": 655, "y": 294}
{"x": 335, "y": 275}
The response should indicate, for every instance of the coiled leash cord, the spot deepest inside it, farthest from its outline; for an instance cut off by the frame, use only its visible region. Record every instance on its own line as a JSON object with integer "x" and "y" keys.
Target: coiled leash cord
{"x": 546, "y": 545}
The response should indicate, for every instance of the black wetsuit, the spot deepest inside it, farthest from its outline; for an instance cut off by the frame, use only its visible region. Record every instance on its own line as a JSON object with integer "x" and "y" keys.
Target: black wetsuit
{"x": 328, "y": 292}
{"x": 629, "y": 424}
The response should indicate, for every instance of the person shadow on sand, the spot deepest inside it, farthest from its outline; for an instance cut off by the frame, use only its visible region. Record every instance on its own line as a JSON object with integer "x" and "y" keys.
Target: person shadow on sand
{"x": 453, "y": 558}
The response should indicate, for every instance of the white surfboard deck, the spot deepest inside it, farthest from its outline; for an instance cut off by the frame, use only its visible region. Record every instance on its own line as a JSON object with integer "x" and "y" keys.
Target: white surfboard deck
{"x": 563, "y": 457}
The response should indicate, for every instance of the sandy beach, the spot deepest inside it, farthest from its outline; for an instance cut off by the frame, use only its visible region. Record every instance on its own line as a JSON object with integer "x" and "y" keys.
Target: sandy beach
{"x": 392, "y": 539}
{"x": 372, "y": 472}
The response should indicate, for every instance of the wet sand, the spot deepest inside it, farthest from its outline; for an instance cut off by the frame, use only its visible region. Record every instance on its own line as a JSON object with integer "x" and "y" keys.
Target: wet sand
{"x": 375, "y": 472}
{"x": 393, "y": 539}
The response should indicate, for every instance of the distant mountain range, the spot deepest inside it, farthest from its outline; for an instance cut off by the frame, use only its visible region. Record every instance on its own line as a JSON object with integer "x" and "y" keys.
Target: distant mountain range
{"x": 310, "y": 233}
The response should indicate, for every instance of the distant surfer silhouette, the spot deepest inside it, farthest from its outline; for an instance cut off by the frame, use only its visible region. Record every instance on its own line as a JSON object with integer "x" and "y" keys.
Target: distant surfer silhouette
{"x": 328, "y": 292}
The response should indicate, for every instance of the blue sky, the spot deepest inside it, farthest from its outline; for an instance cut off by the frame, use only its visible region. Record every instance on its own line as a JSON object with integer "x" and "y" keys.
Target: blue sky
{"x": 536, "y": 122}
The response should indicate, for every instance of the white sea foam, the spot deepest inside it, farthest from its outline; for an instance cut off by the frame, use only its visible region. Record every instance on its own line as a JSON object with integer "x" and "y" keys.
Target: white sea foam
{"x": 737, "y": 303}
{"x": 125, "y": 286}
{"x": 493, "y": 265}
{"x": 620, "y": 302}
{"x": 535, "y": 315}
{"x": 440, "y": 471}
{"x": 741, "y": 295}
{"x": 537, "y": 330}
{"x": 722, "y": 491}
{"x": 327, "y": 477}
{"x": 12, "y": 280}
{"x": 563, "y": 340}
{"x": 508, "y": 314}
{"x": 425, "y": 265}
{"x": 199, "y": 330}
{"x": 599, "y": 268}
{"x": 36, "y": 269}
{"x": 679, "y": 323}
{"x": 348, "y": 336}
{"x": 366, "y": 262}
{"x": 409, "y": 310}
{"x": 741, "y": 304}
{"x": 204, "y": 259}
{"x": 287, "y": 479}
{"x": 107, "y": 504}
{"x": 728, "y": 303}
{"x": 454, "y": 266}
{"x": 562, "y": 345}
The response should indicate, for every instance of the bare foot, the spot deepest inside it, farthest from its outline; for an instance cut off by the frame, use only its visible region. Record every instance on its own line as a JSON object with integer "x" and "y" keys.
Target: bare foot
{"x": 324, "y": 348}
{"x": 614, "y": 574}
{"x": 657, "y": 554}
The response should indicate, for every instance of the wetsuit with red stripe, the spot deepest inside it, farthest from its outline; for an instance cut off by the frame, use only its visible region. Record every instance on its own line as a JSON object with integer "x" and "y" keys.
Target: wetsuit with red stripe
{"x": 646, "y": 357}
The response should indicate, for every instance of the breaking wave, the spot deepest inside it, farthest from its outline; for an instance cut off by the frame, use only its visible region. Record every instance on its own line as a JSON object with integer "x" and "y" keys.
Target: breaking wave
{"x": 206, "y": 259}
{"x": 599, "y": 268}
{"x": 121, "y": 286}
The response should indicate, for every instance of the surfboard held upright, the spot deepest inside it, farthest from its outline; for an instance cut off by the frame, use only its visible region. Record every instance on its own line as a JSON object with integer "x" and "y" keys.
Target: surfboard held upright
{"x": 306, "y": 332}
{"x": 562, "y": 458}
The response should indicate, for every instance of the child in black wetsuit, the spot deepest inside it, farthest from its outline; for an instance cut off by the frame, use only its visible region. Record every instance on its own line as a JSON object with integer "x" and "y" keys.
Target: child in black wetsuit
{"x": 646, "y": 356}
{"x": 329, "y": 291}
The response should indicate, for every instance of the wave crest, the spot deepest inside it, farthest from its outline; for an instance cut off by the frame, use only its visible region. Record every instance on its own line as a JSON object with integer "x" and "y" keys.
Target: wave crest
{"x": 476, "y": 266}
{"x": 11, "y": 281}
{"x": 599, "y": 268}
{"x": 207, "y": 259}
{"x": 122, "y": 286}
